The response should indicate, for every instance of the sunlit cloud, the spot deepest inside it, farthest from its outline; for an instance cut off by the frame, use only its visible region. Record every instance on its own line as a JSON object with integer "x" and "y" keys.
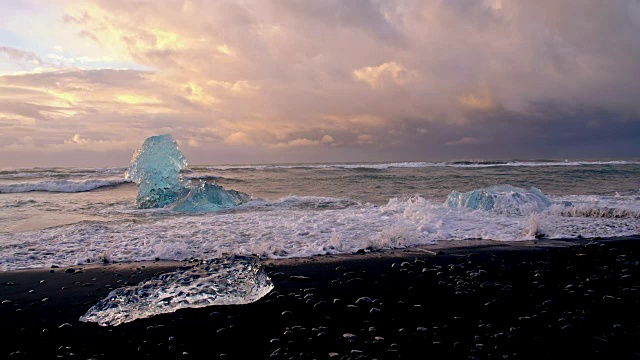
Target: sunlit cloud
{"x": 364, "y": 139}
{"x": 378, "y": 76}
{"x": 354, "y": 80}
{"x": 303, "y": 142}
{"x": 477, "y": 102}
{"x": 239, "y": 138}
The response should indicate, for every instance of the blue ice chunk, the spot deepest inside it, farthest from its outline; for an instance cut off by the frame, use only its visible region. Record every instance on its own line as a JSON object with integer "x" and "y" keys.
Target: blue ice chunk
{"x": 210, "y": 197}
{"x": 501, "y": 198}
{"x": 156, "y": 166}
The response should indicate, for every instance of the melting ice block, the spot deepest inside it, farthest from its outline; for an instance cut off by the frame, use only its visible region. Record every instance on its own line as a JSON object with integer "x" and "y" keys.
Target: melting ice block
{"x": 501, "y": 198}
{"x": 210, "y": 197}
{"x": 235, "y": 280}
{"x": 156, "y": 166}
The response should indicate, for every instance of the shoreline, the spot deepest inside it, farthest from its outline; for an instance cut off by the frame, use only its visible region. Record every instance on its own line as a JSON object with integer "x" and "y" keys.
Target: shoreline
{"x": 533, "y": 299}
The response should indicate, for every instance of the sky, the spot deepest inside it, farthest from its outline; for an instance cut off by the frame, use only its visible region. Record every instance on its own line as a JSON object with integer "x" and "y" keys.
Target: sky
{"x": 83, "y": 83}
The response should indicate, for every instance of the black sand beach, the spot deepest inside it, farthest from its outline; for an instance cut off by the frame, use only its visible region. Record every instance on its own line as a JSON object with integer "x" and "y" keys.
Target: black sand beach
{"x": 545, "y": 299}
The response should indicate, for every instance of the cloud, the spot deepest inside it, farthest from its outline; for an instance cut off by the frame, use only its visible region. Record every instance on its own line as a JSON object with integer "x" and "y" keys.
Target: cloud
{"x": 468, "y": 140}
{"x": 297, "y": 143}
{"x": 327, "y": 77}
{"x": 377, "y": 76}
{"x": 327, "y": 139}
{"x": 20, "y": 55}
{"x": 364, "y": 139}
{"x": 239, "y": 138}
{"x": 76, "y": 143}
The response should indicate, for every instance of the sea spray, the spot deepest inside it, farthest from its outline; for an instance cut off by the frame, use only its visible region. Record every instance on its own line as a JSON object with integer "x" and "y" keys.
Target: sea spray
{"x": 533, "y": 228}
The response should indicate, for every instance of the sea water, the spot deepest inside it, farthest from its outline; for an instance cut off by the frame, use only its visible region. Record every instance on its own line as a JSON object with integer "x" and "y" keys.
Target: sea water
{"x": 70, "y": 216}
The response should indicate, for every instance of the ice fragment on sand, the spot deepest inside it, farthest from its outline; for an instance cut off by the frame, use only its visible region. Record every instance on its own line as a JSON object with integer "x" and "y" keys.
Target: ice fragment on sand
{"x": 156, "y": 166}
{"x": 501, "y": 198}
{"x": 235, "y": 280}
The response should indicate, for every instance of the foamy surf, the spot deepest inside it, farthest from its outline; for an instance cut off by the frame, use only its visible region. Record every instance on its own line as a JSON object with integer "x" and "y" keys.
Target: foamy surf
{"x": 291, "y": 227}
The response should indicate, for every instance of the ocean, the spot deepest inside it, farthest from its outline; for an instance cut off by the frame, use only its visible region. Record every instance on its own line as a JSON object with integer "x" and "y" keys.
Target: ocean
{"x": 74, "y": 216}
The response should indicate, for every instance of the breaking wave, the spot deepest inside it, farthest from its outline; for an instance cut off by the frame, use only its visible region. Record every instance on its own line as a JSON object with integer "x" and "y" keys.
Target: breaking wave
{"x": 596, "y": 212}
{"x": 65, "y": 186}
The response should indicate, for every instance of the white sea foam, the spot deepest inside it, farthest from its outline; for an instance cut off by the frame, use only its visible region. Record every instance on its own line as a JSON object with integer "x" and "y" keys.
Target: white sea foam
{"x": 289, "y": 227}
{"x": 67, "y": 186}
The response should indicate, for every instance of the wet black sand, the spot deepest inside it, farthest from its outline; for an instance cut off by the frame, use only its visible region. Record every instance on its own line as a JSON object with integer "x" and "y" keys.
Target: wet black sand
{"x": 528, "y": 301}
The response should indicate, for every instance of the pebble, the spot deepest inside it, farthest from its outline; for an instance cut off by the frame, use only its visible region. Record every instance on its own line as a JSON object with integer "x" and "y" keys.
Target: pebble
{"x": 349, "y": 336}
{"x": 548, "y": 303}
{"x": 299, "y": 277}
{"x": 363, "y": 300}
{"x": 276, "y": 352}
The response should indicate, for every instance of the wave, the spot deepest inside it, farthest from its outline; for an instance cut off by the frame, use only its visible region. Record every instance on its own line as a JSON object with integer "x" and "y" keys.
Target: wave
{"x": 596, "y": 212}
{"x": 59, "y": 173}
{"x": 66, "y": 186}
{"x": 300, "y": 202}
{"x": 456, "y": 164}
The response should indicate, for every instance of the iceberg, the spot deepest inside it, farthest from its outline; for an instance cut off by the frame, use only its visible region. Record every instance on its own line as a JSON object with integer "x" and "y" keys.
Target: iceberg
{"x": 155, "y": 168}
{"x": 501, "y": 198}
{"x": 229, "y": 281}
{"x": 210, "y": 197}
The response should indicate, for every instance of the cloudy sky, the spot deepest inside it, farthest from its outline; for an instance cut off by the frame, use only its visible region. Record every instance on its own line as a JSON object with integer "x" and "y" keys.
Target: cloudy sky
{"x": 83, "y": 83}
